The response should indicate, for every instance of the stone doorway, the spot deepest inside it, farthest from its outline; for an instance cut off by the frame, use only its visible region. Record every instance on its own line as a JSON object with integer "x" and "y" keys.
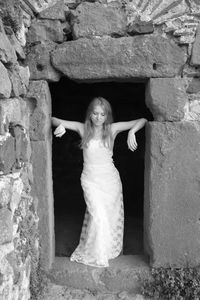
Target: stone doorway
{"x": 69, "y": 101}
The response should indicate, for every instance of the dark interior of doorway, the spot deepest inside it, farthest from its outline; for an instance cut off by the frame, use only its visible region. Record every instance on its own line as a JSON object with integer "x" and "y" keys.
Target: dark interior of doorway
{"x": 70, "y": 101}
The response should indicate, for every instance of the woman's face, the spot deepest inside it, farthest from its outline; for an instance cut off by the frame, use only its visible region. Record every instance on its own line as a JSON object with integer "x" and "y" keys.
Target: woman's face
{"x": 98, "y": 116}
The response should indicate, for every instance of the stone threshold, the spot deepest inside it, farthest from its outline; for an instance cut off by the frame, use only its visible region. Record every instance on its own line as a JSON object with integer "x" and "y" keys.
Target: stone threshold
{"x": 125, "y": 273}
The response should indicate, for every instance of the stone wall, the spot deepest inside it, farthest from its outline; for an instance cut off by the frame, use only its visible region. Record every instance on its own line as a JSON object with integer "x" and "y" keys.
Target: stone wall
{"x": 19, "y": 239}
{"x": 40, "y": 41}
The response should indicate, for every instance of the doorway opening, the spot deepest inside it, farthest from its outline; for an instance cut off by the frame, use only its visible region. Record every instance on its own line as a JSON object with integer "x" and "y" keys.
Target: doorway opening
{"x": 69, "y": 101}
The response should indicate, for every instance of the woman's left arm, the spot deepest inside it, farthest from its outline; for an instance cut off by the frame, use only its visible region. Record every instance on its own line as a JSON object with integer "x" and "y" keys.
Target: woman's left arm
{"x": 133, "y": 126}
{"x": 131, "y": 140}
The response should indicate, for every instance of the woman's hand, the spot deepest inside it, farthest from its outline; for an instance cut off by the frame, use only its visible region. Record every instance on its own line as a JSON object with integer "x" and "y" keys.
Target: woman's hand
{"x": 59, "y": 131}
{"x": 131, "y": 141}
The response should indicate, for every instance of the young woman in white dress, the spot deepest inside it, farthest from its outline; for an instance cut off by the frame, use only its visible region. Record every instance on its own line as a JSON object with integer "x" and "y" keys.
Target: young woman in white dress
{"x": 103, "y": 227}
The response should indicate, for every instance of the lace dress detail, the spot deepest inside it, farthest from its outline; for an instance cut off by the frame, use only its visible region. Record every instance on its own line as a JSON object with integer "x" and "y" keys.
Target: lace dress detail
{"x": 103, "y": 226}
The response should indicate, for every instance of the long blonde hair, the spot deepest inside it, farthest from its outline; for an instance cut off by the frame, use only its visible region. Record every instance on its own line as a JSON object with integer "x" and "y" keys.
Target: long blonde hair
{"x": 89, "y": 127}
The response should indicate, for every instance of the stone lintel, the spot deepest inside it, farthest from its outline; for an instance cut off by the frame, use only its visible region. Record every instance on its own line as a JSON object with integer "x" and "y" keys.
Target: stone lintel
{"x": 123, "y": 58}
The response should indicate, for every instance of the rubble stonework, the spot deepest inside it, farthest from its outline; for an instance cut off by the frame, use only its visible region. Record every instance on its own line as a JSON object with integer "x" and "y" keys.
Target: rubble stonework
{"x": 42, "y": 40}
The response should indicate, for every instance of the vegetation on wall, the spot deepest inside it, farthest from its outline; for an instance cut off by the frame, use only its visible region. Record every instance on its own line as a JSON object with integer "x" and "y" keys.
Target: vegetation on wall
{"x": 173, "y": 284}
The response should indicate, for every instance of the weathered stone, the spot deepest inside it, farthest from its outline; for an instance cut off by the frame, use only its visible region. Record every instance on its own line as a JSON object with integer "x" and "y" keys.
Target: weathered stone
{"x": 7, "y": 52}
{"x": 195, "y": 57}
{"x": 159, "y": 11}
{"x": 139, "y": 26}
{"x": 171, "y": 210}
{"x": 26, "y": 8}
{"x": 7, "y": 155}
{"x": 15, "y": 43}
{"x": 39, "y": 120}
{"x": 21, "y": 35}
{"x": 194, "y": 86}
{"x": 193, "y": 110}
{"x": 125, "y": 58}
{"x": 55, "y": 12}
{"x": 166, "y": 98}
{"x": 95, "y": 19}
{"x": 11, "y": 14}
{"x": 5, "y": 191}
{"x": 6, "y": 226}
{"x": 21, "y": 145}
{"x": 45, "y": 30}
{"x": 5, "y": 84}
{"x": 43, "y": 189}
{"x": 124, "y": 273}
{"x": 16, "y": 194}
{"x": 38, "y": 6}
{"x": 13, "y": 261}
{"x": 39, "y": 62}
{"x": 18, "y": 86}
{"x": 14, "y": 110}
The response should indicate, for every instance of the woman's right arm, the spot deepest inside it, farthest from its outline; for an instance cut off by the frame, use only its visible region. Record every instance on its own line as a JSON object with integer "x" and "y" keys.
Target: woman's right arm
{"x": 71, "y": 125}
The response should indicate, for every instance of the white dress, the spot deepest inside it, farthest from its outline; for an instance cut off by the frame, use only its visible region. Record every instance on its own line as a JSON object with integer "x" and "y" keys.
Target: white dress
{"x": 102, "y": 231}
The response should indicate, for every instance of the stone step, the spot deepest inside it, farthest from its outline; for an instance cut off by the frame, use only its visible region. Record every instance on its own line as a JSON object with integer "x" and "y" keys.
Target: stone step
{"x": 124, "y": 274}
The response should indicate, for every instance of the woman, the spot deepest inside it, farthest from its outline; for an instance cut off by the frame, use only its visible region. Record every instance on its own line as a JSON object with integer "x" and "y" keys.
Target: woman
{"x": 102, "y": 232}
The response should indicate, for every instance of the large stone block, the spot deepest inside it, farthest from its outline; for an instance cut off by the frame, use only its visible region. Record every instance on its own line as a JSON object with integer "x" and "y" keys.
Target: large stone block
{"x": 5, "y": 84}
{"x": 6, "y": 226}
{"x": 172, "y": 211}
{"x": 95, "y": 19}
{"x": 45, "y": 30}
{"x": 166, "y": 98}
{"x": 38, "y": 60}
{"x": 43, "y": 189}
{"x": 39, "y": 99}
{"x": 125, "y": 58}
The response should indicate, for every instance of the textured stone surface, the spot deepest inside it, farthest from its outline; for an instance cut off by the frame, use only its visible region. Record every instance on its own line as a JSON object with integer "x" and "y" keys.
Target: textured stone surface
{"x": 43, "y": 189}
{"x": 40, "y": 99}
{"x": 7, "y": 155}
{"x": 18, "y": 86}
{"x": 139, "y": 26}
{"x": 15, "y": 43}
{"x": 5, "y": 84}
{"x": 6, "y": 226}
{"x": 195, "y": 57}
{"x": 45, "y": 30}
{"x": 125, "y": 58}
{"x": 38, "y": 6}
{"x": 194, "y": 86}
{"x": 11, "y": 13}
{"x": 60, "y": 292}
{"x": 7, "y": 52}
{"x": 172, "y": 212}
{"x": 55, "y": 12}
{"x": 14, "y": 110}
{"x": 95, "y": 19}
{"x": 166, "y": 98}
{"x": 39, "y": 62}
{"x": 124, "y": 273}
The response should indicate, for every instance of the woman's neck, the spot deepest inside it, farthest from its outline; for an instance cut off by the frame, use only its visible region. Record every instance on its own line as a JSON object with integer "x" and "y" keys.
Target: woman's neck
{"x": 98, "y": 132}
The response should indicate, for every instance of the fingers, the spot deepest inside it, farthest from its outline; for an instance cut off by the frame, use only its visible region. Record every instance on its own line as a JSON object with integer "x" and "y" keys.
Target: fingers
{"x": 132, "y": 144}
{"x": 59, "y": 131}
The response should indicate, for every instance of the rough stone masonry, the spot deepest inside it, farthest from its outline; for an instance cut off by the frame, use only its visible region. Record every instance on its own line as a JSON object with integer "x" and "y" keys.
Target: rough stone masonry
{"x": 42, "y": 40}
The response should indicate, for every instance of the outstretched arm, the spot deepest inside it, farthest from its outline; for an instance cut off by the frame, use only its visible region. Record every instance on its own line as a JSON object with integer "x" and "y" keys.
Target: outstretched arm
{"x": 64, "y": 124}
{"x": 133, "y": 126}
{"x": 131, "y": 140}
